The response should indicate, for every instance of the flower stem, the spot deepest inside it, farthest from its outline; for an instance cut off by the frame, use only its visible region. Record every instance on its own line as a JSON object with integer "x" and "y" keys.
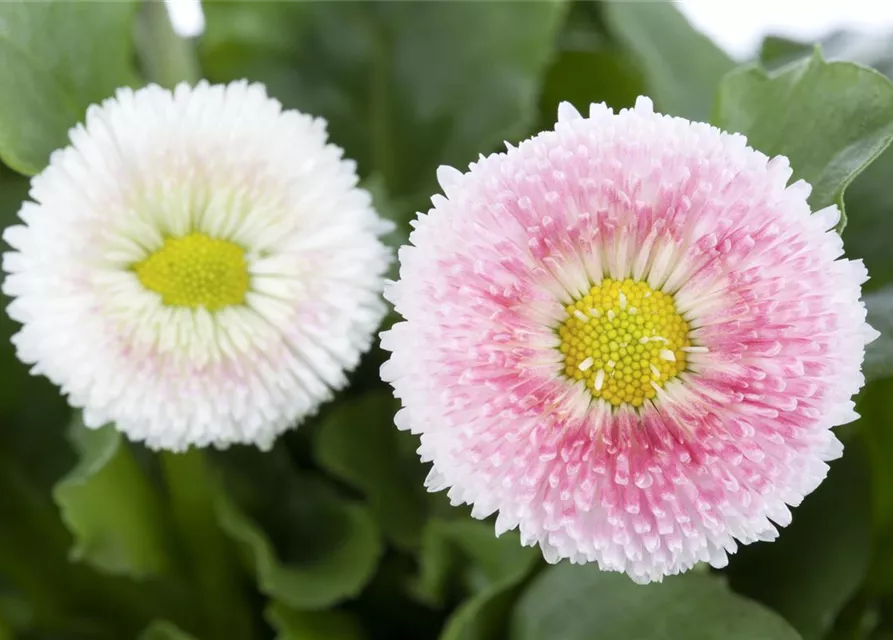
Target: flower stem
{"x": 208, "y": 555}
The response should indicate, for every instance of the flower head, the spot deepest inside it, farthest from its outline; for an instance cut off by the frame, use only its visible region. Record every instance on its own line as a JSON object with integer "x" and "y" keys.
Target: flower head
{"x": 198, "y": 267}
{"x": 629, "y": 338}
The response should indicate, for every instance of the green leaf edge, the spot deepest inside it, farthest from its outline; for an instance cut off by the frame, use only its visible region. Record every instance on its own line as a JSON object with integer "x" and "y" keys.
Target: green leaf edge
{"x": 90, "y": 463}
{"x": 23, "y": 166}
{"x": 760, "y": 71}
{"x": 466, "y": 612}
{"x": 266, "y": 565}
{"x": 278, "y": 615}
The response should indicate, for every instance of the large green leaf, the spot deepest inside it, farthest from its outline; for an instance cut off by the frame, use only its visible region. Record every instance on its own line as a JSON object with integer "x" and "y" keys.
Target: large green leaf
{"x": 56, "y": 58}
{"x": 358, "y": 443}
{"x": 682, "y": 67}
{"x": 405, "y": 86}
{"x": 111, "y": 508}
{"x": 869, "y": 200}
{"x": 818, "y": 562}
{"x": 831, "y": 119}
{"x": 313, "y": 625}
{"x": 308, "y": 546}
{"x": 572, "y": 602}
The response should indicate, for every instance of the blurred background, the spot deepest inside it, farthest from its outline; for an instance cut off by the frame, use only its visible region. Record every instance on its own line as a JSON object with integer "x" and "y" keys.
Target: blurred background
{"x": 331, "y": 536}
{"x": 737, "y": 27}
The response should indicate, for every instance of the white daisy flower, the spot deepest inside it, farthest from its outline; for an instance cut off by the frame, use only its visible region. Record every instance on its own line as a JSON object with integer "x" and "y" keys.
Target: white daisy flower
{"x": 198, "y": 267}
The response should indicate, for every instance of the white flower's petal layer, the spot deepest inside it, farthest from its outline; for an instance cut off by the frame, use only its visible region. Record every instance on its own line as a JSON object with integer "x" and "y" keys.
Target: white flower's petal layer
{"x": 228, "y": 162}
{"x": 723, "y": 450}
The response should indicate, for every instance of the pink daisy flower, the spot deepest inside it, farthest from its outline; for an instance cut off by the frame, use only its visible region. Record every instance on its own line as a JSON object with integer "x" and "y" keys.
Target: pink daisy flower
{"x": 629, "y": 338}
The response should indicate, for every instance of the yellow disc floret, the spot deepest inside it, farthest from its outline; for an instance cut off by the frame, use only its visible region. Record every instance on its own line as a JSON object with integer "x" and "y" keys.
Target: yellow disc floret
{"x": 196, "y": 271}
{"x": 623, "y": 339}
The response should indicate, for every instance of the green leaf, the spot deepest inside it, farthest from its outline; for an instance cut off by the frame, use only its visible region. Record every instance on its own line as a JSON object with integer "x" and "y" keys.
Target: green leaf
{"x": 818, "y": 562}
{"x": 494, "y": 569}
{"x": 484, "y": 615}
{"x": 869, "y": 198}
{"x": 405, "y": 87}
{"x": 466, "y": 555}
{"x": 308, "y": 547}
{"x": 573, "y": 602}
{"x": 111, "y": 508}
{"x": 682, "y": 67}
{"x": 57, "y": 58}
{"x": 358, "y": 443}
{"x": 163, "y": 630}
{"x": 781, "y": 113}
{"x": 35, "y": 568}
{"x": 312, "y": 625}
{"x": 463, "y": 560}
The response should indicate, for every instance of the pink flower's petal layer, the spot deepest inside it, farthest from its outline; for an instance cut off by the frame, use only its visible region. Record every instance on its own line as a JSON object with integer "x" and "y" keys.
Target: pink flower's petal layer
{"x": 722, "y": 450}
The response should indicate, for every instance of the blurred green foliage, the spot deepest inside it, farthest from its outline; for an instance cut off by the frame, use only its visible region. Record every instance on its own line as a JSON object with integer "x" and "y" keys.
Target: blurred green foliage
{"x": 331, "y": 536}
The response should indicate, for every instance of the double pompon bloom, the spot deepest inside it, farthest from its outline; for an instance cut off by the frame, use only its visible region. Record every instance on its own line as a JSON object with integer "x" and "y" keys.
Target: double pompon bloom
{"x": 198, "y": 267}
{"x": 630, "y": 338}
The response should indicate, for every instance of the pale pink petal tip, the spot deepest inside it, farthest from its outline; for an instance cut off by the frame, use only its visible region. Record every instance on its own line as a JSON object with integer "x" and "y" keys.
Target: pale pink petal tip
{"x": 448, "y": 176}
{"x": 567, "y": 112}
{"x": 644, "y": 105}
{"x": 630, "y": 339}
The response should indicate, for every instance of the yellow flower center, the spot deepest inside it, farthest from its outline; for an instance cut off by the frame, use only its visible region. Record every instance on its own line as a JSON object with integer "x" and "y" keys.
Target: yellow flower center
{"x": 196, "y": 271}
{"x": 625, "y": 340}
